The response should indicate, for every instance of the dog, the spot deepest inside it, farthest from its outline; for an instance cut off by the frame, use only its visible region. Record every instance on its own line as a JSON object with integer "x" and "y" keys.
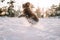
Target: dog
{"x": 28, "y": 13}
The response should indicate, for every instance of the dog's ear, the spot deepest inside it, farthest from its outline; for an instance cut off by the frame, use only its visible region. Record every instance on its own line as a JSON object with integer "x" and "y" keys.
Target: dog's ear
{"x": 23, "y": 5}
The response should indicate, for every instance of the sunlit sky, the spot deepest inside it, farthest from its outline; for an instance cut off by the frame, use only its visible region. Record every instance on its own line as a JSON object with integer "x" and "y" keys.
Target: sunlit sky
{"x": 41, "y": 3}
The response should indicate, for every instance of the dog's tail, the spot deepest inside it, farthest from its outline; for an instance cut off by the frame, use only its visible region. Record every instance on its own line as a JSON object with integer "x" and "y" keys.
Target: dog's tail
{"x": 35, "y": 18}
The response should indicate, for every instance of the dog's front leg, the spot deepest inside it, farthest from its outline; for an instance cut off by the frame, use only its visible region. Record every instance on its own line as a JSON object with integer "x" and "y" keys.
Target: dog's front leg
{"x": 22, "y": 16}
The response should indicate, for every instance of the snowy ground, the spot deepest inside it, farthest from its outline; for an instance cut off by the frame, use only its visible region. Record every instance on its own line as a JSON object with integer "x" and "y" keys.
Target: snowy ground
{"x": 20, "y": 29}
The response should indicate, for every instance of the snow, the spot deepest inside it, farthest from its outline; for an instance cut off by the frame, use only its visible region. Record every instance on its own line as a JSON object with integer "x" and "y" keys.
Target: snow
{"x": 20, "y": 29}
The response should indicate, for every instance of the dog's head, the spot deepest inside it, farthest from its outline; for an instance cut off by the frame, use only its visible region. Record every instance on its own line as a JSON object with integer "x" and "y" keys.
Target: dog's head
{"x": 26, "y": 5}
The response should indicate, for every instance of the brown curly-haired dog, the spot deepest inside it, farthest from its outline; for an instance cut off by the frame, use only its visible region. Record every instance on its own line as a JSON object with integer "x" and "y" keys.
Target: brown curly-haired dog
{"x": 28, "y": 13}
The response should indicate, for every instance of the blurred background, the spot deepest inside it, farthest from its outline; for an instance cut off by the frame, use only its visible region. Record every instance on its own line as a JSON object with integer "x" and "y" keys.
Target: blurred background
{"x": 42, "y": 8}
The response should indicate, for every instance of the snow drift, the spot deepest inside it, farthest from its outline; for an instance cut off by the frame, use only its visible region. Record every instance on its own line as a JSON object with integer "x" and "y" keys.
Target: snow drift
{"x": 20, "y": 29}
